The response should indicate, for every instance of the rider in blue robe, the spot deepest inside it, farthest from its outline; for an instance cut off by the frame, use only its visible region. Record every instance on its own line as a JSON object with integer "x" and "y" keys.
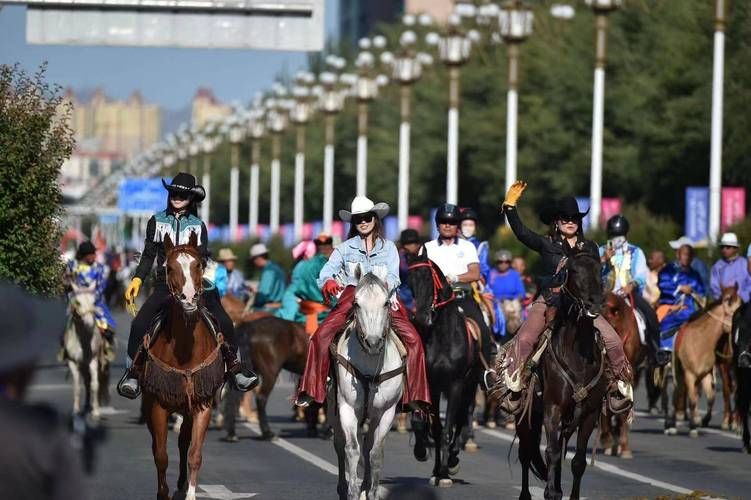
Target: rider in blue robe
{"x": 85, "y": 271}
{"x": 682, "y": 289}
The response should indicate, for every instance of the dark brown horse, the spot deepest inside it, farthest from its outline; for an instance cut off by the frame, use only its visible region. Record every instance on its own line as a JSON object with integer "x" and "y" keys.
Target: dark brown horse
{"x": 570, "y": 378}
{"x": 620, "y": 314}
{"x": 183, "y": 370}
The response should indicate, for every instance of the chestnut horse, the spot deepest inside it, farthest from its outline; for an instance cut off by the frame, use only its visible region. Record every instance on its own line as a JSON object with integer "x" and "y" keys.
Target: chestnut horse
{"x": 183, "y": 369}
{"x": 620, "y": 314}
{"x": 240, "y": 312}
{"x": 695, "y": 357}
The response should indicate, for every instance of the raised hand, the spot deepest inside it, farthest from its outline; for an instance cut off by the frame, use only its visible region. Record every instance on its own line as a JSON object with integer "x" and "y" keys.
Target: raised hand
{"x": 514, "y": 193}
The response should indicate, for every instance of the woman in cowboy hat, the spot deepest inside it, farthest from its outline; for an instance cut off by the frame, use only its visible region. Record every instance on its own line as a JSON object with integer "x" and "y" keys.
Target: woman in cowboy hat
{"x": 565, "y": 221}
{"x": 366, "y": 246}
{"x": 179, "y": 220}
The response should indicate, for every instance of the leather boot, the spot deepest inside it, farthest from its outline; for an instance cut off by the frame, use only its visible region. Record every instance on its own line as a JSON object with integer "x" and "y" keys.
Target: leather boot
{"x": 243, "y": 378}
{"x": 620, "y": 397}
{"x": 128, "y": 387}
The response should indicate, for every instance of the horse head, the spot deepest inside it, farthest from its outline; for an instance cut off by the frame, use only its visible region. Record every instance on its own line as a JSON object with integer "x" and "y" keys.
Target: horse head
{"x": 83, "y": 304}
{"x": 731, "y": 302}
{"x": 371, "y": 306}
{"x": 429, "y": 286}
{"x": 583, "y": 285}
{"x": 184, "y": 267}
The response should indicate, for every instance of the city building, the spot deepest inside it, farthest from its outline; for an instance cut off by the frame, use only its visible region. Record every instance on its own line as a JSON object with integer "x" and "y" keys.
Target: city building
{"x": 206, "y": 107}
{"x": 358, "y": 18}
{"x": 439, "y": 10}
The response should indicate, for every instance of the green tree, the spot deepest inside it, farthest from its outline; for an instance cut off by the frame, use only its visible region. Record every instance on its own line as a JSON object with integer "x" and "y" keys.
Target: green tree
{"x": 34, "y": 139}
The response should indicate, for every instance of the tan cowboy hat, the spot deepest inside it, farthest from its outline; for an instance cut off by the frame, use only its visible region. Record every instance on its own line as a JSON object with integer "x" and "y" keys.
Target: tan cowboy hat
{"x": 226, "y": 254}
{"x": 363, "y": 205}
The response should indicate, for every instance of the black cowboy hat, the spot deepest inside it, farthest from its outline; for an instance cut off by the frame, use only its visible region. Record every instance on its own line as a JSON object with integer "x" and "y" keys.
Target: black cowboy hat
{"x": 185, "y": 183}
{"x": 565, "y": 208}
{"x": 84, "y": 249}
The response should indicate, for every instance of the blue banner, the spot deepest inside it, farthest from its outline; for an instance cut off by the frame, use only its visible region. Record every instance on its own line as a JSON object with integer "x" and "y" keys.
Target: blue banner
{"x": 583, "y": 202}
{"x": 139, "y": 195}
{"x": 697, "y": 213}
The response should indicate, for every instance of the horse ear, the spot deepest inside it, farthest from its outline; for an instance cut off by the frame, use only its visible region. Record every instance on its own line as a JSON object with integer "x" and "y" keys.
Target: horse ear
{"x": 193, "y": 240}
{"x": 168, "y": 245}
{"x": 358, "y": 272}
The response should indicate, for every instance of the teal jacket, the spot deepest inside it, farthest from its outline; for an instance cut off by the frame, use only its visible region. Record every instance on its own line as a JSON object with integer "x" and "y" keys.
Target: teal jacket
{"x": 303, "y": 286}
{"x": 272, "y": 284}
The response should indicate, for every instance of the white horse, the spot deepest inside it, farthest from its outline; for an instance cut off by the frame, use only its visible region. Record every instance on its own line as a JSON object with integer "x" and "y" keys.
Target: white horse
{"x": 84, "y": 347}
{"x": 370, "y": 376}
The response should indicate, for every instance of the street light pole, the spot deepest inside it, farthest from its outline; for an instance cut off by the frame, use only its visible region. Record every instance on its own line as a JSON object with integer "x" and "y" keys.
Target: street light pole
{"x": 715, "y": 165}
{"x": 207, "y": 146}
{"x": 515, "y": 23}
{"x": 236, "y": 135}
{"x": 331, "y": 102}
{"x": 257, "y": 131}
{"x": 277, "y": 123}
{"x": 601, "y": 9}
{"x": 366, "y": 90}
{"x": 300, "y": 115}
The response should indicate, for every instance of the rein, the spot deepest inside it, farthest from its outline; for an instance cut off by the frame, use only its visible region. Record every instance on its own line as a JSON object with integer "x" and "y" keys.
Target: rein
{"x": 437, "y": 284}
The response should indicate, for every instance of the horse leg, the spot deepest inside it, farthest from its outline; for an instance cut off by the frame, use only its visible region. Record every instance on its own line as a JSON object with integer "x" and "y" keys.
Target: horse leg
{"x": 436, "y": 432}
{"x": 553, "y": 453}
{"x": 579, "y": 462}
{"x": 376, "y": 452}
{"x": 73, "y": 366}
{"x": 339, "y": 443}
{"x": 183, "y": 444}
{"x": 454, "y": 406}
{"x": 467, "y": 433}
{"x": 262, "y": 397}
{"x": 653, "y": 391}
{"x": 624, "y": 429}
{"x": 708, "y": 386}
{"x": 94, "y": 386}
{"x": 350, "y": 427}
{"x": 525, "y": 456}
{"x": 104, "y": 383}
{"x": 200, "y": 424}
{"x": 742, "y": 404}
{"x": 693, "y": 400}
{"x": 157, "y": 423}
{"x": 668, "y": 409}
{"x": 606, "y": 434}
{"x": 728, "y": 418}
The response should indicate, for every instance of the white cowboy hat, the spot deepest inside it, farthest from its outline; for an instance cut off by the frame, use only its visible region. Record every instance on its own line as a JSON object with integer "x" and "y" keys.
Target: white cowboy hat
{"x": 683, "y": 240}
{"x": 226, "y": 254}
{"x": 363, "y": 205}
{"x": 729, "y": 240}
{"x": 258, "y": 249}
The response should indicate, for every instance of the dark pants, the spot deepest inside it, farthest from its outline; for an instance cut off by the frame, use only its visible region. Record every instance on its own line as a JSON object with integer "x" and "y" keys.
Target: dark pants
{"x": 159, "y": 299}
{"x": 652, "y": 335}
{"x": 472, "y": 310}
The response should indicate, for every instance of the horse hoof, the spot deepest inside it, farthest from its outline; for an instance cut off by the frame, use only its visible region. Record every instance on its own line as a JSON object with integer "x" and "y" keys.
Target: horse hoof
{"x": 471, "y": 446}
{"x": 654, "y": 411}
{"x": 445, "y": 483}
{"x": 608, "y": 451}
{"x": 693, "y": 433}
{"x": 401, "y": 428}
{"x": 433, "y": 481}
{"x": 268, "y": 436}
{"x": 453, "y": 471}
{"x": 725, "y": 426}
{"x": 671, "y": 431}
{"x": 475, "y": 424}
{"x": 510, "y": 426}
{"x": 680, "y": 416}
{"x": 627, "y": 454}
{"x": 490, "y": 424}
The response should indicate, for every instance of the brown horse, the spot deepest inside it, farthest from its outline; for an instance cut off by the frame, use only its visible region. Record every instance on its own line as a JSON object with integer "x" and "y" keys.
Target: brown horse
{"x": 240, "y": 312}
{"x": 183, "y": 370}
{"x": 695, "y": 356}
{"x": 620, "y": 314}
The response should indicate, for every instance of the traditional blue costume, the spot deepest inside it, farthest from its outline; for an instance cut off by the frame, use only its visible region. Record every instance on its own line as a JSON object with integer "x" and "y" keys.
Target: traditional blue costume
{"x": 84, "y": 275}
{"x": 671, "y": 278}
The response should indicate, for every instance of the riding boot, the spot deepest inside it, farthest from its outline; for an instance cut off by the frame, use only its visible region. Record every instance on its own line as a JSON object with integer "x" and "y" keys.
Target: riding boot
{"x": 129, "y": 387}
{"x": 243, "y": 378}
{"x": 420, "y": 428}
{"x": 620, "y": 397}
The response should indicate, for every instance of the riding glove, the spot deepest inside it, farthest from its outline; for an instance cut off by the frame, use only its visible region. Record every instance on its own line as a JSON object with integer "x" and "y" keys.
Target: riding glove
{"x": 330, "y": 289}
{"x": 514, "y": 193}
{"x": 131, "y": 293}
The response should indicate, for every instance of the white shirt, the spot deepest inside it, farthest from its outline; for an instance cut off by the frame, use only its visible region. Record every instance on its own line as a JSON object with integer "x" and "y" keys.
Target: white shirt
{"x": 452, "y": 259}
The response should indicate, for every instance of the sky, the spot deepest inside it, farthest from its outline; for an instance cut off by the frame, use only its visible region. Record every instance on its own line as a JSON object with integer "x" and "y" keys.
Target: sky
{"x": 165, "y": 76}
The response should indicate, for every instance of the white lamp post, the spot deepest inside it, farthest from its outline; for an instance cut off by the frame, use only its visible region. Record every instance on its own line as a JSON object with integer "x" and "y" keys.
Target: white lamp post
{"x": 515, "y": 25}
{"x": 236, "y": 134}
{"x": 365, "y": 90}
{"x": 454, "y": 49}
{"x": 300, "y": 115}
{"x": 256, "y": 132}
{"x": 331, "y": 102}
{"x": 715, "y": 166}
{"x": 601, "y": 9}
{"x": 208, "y": 144}
{"x": 277, "y": 123}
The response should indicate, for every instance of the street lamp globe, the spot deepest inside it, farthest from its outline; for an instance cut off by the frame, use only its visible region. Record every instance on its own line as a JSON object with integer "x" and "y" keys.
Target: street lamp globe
{"x": 515, "y": 21}
{"x": 604, "y": 6}
{"x": 454, "y": 48}
{"x": 302, "y": 107}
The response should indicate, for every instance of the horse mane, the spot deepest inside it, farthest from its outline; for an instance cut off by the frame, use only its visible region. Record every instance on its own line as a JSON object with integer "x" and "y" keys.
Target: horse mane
{"x": 371, "y": 279}
{"x": 699, "y": 313}
{"x": 445, "y": 292}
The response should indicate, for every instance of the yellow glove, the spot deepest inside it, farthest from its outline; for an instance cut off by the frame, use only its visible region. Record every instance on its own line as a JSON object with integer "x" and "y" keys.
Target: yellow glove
{"x": 130, "y": 295}
{"x": 514, "y": 193}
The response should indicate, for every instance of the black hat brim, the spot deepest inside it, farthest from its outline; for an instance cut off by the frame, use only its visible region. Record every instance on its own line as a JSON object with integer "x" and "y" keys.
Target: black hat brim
{"x": 198, "y": 192}
{"x": 550, "y": 213}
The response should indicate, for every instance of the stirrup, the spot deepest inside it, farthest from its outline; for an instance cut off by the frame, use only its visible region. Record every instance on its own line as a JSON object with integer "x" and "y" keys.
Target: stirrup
{"x": 304, "y": 400}
{"x": 125, "y": 390}
{"x": 494, "y": 380}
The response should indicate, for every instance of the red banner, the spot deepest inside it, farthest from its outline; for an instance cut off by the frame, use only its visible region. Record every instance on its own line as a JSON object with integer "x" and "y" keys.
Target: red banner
{"x": 608, "y": 208}
{"x": 733, "y": 206}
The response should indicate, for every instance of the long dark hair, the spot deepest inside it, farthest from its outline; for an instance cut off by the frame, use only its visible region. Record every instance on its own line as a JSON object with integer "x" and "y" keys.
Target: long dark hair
{"x": 192, "y": 207}
{"x": 378, "y": 230}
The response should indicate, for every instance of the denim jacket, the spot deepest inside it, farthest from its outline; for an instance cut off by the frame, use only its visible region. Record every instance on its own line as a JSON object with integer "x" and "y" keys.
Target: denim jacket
{"x": 384, "y": 258}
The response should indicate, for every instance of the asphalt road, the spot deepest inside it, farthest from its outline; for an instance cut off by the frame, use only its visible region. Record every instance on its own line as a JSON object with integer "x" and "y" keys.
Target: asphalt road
{"x": 297, "y": 467}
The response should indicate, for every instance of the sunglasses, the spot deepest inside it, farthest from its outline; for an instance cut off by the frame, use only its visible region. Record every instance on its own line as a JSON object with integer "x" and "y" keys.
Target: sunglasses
{"x": 447, "y": 222}
{"x": 362, "y": 219}
{"x": 569, "y": 220}
{"x": 504, "y": 261}
{"x": 726, "y": 246}
{"x": 179, "y": 196}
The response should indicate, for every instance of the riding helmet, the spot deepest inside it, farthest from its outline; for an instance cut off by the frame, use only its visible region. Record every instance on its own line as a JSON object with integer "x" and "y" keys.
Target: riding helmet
{"x": 469, "y": 214}
{"x": 617, "y": 226}
{"x": 448, "y": 212}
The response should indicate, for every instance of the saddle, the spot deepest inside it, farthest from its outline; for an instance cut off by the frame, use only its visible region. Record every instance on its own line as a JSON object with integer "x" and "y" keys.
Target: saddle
{"x": 311, "y": 310}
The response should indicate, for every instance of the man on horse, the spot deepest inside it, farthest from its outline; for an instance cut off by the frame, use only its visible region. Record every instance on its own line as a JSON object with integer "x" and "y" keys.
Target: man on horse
{"x": 368, "y": 250}
{"x": 235, "y": 279}
{"x": 273, "y": 281}
{"x": 505, "y": 284}
{"x": 625, "y": 273}
{"x": 565, "y": 235}
{"x": 458, "y": 261}
{"x": 86, "y": 272}
{"x": 303, "y": 288}
{"x": 730, "y": 269}
{"x": 179, "y": 220}
{"x": 469, "y": 230}
{"x": 681, "y": 295}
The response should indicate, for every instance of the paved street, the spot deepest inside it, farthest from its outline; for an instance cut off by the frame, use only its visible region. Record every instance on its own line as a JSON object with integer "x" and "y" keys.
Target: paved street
{"x": 298, "y": 467}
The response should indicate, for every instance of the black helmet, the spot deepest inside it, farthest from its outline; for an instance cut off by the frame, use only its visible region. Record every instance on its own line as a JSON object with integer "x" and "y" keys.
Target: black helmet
{"x": 448, "y": 212}
{"x": 617, "y": 226}
{"x": 84, "y": 249}
{"x": 469, "y": 214}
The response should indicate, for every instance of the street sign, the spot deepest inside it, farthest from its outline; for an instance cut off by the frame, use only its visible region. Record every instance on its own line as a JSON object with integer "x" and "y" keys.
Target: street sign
{"x": 137, "y": 196}
{"x": 697, "y": 213}
{"x": 241, "y": 24}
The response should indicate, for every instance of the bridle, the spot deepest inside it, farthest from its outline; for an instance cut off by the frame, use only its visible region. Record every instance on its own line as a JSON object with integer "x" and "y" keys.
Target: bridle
{"x": 437, "y": 284}
{"x": 576, "y": 302}
{"x": 199, "y": 289}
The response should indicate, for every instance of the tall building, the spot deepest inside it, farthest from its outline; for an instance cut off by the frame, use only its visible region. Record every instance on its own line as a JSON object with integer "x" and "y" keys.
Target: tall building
{"x": 357, "y": 18}
{"x": 206, "y": 108}
{"x": 439, "y": 10}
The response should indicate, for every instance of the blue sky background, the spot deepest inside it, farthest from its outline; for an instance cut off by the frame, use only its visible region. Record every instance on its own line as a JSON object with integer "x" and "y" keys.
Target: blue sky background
{"x": 165, "y": 76}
